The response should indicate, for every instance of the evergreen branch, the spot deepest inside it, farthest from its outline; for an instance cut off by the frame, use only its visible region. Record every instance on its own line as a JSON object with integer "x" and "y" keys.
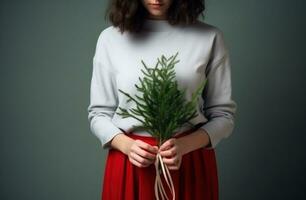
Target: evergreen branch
{"x": 162, "y": 105}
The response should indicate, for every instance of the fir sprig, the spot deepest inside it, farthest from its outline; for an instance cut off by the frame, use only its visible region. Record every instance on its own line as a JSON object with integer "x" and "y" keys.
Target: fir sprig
{"x": 162, "y": 107}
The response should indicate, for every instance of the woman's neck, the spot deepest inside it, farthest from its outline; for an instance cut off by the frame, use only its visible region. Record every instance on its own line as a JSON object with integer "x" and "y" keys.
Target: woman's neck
{"x": 156, "y": 17}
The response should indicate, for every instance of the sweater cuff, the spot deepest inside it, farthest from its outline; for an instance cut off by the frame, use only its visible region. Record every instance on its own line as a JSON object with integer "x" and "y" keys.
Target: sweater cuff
{"x": 105, "y": 132}
{"x": 217, "y": 129}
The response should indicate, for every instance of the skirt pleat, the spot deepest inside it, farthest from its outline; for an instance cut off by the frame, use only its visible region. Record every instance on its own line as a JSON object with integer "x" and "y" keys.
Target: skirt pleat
{"x": 196, "y": 179}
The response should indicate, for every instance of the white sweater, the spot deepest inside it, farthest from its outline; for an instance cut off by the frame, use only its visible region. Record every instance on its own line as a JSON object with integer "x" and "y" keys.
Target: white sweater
{"x": 117, "y": 65}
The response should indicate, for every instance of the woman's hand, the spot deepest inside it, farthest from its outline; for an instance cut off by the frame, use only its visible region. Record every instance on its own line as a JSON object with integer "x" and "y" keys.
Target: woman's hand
{"x": 141, "y": 154}
{"x": 172, "y": 152}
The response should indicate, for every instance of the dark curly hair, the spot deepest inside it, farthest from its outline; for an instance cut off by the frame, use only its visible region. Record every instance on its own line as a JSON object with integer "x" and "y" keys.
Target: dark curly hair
{"x": 129, "y": 15}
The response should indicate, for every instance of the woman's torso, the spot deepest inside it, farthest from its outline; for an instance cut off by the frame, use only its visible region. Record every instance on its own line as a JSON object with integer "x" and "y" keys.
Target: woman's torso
{"x": 194, "y": 44}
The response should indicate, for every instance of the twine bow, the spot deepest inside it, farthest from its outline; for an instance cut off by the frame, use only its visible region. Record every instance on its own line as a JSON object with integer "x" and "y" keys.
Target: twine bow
{"x": 159, "y": 187}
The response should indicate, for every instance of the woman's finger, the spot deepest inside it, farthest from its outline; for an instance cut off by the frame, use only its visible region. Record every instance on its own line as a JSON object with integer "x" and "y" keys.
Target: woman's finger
{"x": 146, "y": 146}
{"x": 167, "y": 144}
{"x": 171, "y": 161}
{"x": 140, "y": 159}
{"x": 174, "y": 166}
{"x": 169, "y": 153}
{"x": 134, "y": 162}
{"x": 144, "y": 153}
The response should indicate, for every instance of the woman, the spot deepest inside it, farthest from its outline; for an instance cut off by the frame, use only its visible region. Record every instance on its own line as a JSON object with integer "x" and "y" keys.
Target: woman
{"x": 144, "y": 30}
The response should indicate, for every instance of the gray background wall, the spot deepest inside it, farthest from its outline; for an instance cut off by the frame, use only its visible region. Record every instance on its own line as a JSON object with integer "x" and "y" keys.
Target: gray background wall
{"x": 46, "y": 148}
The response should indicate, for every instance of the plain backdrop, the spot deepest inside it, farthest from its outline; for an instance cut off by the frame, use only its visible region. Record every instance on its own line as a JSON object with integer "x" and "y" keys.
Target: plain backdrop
{"x": 46, "y": 147}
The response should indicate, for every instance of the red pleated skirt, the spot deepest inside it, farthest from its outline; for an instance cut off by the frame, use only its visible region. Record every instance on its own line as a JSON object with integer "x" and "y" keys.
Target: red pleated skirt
{"x": 196, "y": 179}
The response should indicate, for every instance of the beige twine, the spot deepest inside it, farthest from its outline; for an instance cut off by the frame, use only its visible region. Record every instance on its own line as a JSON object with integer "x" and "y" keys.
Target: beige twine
{"x": 159, "y": 187}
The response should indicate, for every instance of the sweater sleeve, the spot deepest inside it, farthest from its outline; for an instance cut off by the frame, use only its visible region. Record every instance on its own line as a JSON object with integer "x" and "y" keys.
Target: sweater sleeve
{"x": 103, "y": 96}
{"x": 219, "y": 107}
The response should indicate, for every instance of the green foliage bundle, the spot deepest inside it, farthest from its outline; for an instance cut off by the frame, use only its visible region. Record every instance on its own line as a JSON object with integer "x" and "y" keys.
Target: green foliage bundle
{"x": 162, "y": 107}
